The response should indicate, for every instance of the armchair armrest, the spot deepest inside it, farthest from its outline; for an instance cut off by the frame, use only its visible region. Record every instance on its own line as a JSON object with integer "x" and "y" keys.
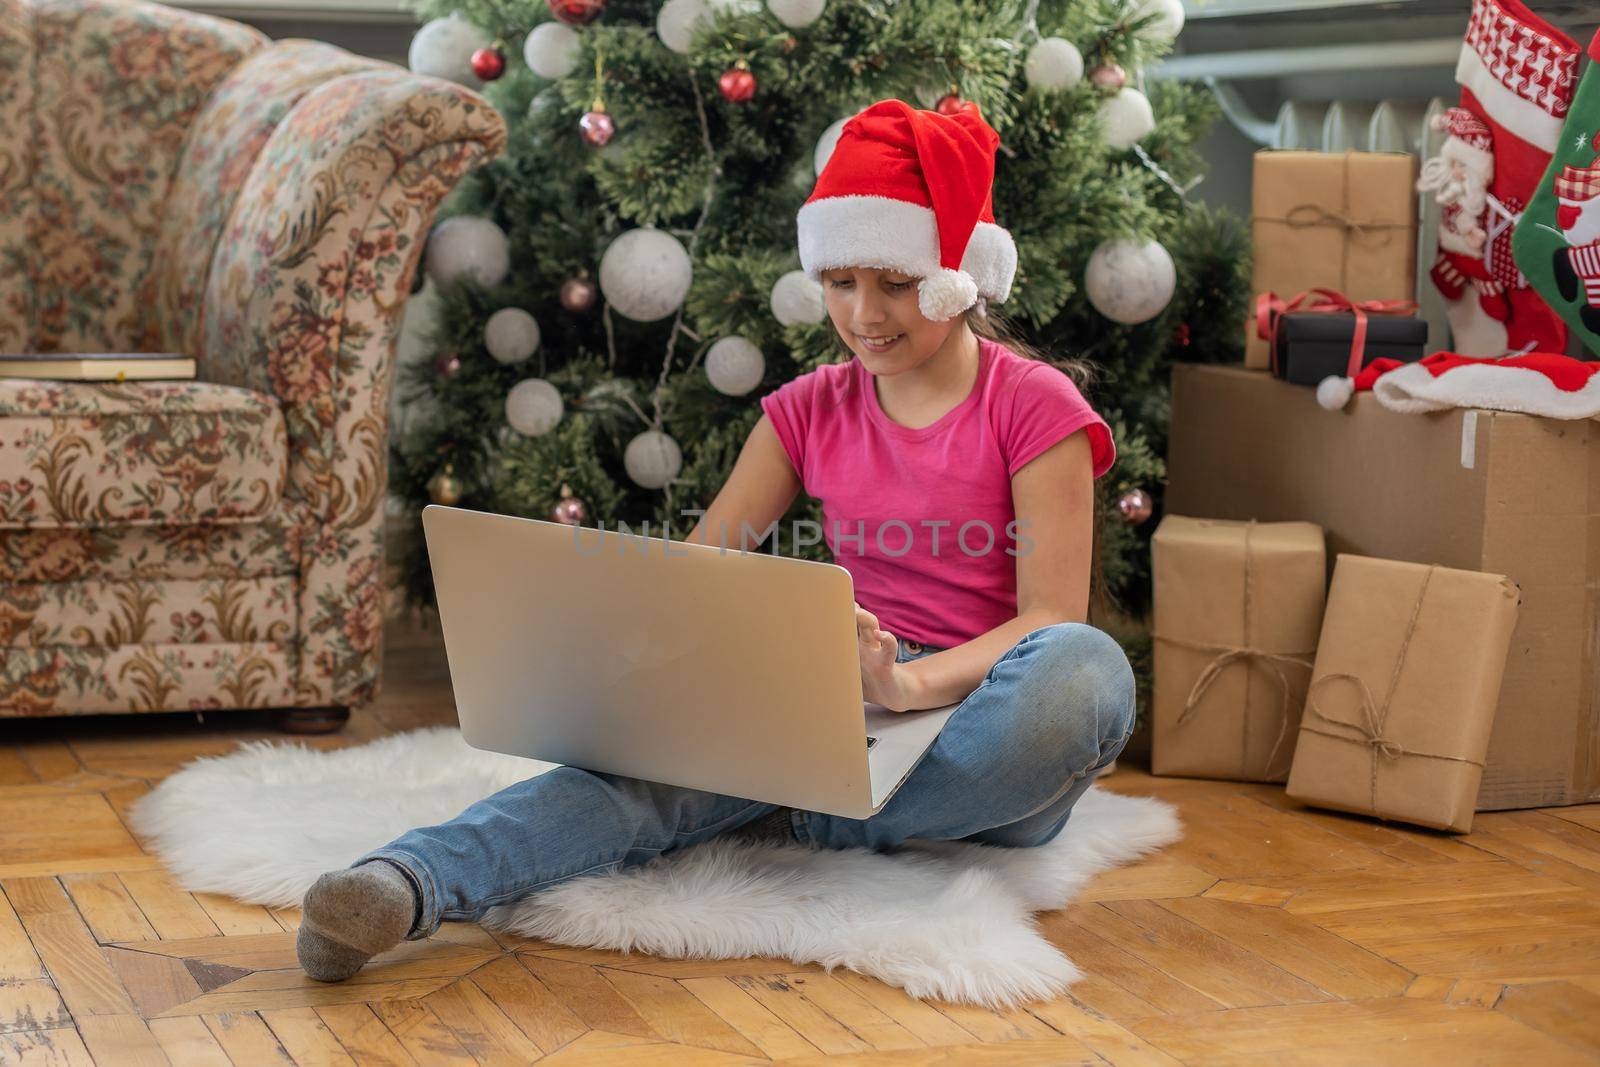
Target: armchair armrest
{"x": 304, "y": 301}
{"x": 308, "y": 282}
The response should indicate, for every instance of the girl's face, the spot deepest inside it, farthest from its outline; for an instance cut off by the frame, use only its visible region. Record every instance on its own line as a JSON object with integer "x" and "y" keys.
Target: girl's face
{"x": 875, "y": 311}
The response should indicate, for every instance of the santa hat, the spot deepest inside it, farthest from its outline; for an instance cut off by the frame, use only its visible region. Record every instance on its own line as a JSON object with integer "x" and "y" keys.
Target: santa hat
{"x": 909, "y": 190}
{"x": 1535, "y": 383}
{"x": 1473, "y": 145}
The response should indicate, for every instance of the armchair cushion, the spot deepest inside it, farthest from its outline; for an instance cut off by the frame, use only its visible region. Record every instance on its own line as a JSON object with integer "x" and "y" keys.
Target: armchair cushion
{"x": 97, "y": 454}
{"x": 227, "y": 550}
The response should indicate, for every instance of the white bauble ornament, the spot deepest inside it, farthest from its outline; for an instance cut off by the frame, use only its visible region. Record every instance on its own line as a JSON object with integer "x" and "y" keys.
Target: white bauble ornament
{"x": 443, "y": 48}
{"x": 645, "y": 274}
{"x": 652, "y": 459}
{"x": 678, "y": 19}
{"x": 1126, "y": 118}
{"x": 1130, "y": 281}
{"x": 533, "y": 407}
{"x": 1169, "y": 19}
{"x": 826, "y": 144}
{"x": 796, "y": 298}
{"x": 796, "y": 14}
{"x": 470, "y": 245}
{"x": 735, "y": 366}
{"x": 551, "y": 50}
{"x": 511, "y": 335}
{"x": 1054, "y": 63}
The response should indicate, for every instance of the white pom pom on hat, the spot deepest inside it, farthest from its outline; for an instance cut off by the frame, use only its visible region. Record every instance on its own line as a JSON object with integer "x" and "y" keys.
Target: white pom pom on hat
{"x": 909, "y": 190}
{"x": 946, "y": 289}
{"x": 1335, "y": 391}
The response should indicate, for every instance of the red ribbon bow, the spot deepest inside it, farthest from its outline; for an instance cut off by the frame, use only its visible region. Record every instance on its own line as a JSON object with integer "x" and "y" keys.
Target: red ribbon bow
{"x": 1270, "y": 311}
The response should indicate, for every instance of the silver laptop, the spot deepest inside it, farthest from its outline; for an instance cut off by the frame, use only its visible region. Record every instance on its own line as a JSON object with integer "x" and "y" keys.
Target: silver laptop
{"x": 694, "y": 665}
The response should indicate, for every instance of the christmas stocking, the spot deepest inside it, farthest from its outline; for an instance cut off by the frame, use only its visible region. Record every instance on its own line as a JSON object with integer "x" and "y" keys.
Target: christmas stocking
{"x": 1557, "y": 241}
{"x": 1517, "y": 75}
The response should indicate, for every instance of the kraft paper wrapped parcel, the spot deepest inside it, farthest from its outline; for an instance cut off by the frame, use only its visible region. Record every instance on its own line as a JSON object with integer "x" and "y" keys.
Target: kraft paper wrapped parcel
{"x": 1403, "y": 696}
{"x": 1237, "y": 609}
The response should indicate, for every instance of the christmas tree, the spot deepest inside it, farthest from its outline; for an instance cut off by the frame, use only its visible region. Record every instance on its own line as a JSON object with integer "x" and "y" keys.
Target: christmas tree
{"x": 619, "y": 290}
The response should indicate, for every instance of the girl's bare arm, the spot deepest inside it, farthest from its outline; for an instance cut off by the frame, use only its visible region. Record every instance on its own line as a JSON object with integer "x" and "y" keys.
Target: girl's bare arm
{"x": 757, "y": 494}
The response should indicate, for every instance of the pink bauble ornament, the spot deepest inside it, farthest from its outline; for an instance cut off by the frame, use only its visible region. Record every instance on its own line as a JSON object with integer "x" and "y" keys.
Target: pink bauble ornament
{"x": 448, "y": 365}
{"x": 1109, "y": 76}
{"x": 596, "y": 127}
{"x": 1135, "y": 506}
{"x": 737, "y": 84}
{"x": 569, "y": 509}
{"x": 950, "y": 104}
{"x": 577, "y": 12}
{"x": 578, "y": 294}
{"x": 488, "y": 63}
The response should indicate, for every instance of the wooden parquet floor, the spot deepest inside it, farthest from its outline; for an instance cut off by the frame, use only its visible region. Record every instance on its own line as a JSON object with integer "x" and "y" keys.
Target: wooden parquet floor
{"x": 1272, "y": 934}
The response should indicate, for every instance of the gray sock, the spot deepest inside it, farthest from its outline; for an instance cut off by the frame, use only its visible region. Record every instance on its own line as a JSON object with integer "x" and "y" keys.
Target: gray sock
{"x": 351, "y": 915}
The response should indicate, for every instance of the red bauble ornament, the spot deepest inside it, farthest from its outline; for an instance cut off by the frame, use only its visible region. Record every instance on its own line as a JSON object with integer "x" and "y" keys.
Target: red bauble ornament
{"x": 578, "y": 294}
{"x": 448, "y": 365}
{"x": 577, "y": 12}
{"x": 1181, "y": 335}
{"x": 1109, "y": 76}
{"x": 950, "y": 104}
{"x": 596, "y": 127}
{"x": 1135, "y": 506}
{"x": 737, "y": 84}
{"x": 569, "y": 509}
{"x": 488, "y": 63}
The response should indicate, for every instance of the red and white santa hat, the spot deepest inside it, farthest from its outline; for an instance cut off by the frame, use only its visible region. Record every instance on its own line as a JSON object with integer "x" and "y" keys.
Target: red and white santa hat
{"x": 909, "y": 190}
{"x": 1533, "y": 383}
{"x": 1473, "y": 144}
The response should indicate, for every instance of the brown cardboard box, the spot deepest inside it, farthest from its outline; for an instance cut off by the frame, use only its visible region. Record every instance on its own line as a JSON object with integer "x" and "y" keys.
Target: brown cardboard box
{"x": 1478, "y": 490}
{"x": 1238, "y": 606}
{"x": 1340, "y": 220}
{"x": 1408, "y": 671}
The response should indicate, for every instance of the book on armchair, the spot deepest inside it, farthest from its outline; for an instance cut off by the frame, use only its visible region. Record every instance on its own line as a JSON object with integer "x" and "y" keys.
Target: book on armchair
{"x": 97, "y": 367}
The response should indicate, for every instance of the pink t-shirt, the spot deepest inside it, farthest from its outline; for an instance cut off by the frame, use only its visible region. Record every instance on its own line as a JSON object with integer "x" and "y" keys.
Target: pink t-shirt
{"x": 923, "y": 519}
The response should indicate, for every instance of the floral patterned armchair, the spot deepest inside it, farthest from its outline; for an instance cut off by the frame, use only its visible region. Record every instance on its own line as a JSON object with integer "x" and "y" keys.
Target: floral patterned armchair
{"x": 179, "y": 183}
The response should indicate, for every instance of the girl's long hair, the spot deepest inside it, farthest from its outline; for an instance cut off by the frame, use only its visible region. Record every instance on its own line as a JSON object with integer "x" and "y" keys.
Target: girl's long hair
{"x": 989, "y": 323}
{"x": 993, "y": 325}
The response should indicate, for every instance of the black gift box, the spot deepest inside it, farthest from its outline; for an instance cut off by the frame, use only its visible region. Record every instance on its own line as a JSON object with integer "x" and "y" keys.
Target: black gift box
{"x": 1312, "y": 345}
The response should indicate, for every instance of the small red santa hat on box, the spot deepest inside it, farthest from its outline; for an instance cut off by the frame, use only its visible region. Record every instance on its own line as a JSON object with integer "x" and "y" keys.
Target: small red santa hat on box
{"x": 909, "y": 190}
{"x": 1550, "y": 384}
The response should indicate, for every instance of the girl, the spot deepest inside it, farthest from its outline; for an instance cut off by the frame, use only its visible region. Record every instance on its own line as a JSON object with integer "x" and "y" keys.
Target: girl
{"x": 956, "y": 481}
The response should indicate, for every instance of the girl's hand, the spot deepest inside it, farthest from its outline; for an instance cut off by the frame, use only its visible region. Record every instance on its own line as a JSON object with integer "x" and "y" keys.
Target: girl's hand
{"x": 883, "y": 681}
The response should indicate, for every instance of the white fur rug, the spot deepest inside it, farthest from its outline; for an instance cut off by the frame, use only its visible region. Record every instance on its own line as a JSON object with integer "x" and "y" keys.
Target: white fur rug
{"x": 940, "y": 919}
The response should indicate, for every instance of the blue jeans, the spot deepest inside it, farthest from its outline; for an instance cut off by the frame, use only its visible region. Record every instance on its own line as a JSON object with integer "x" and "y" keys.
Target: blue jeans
{"x": 1005, "y": 770}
